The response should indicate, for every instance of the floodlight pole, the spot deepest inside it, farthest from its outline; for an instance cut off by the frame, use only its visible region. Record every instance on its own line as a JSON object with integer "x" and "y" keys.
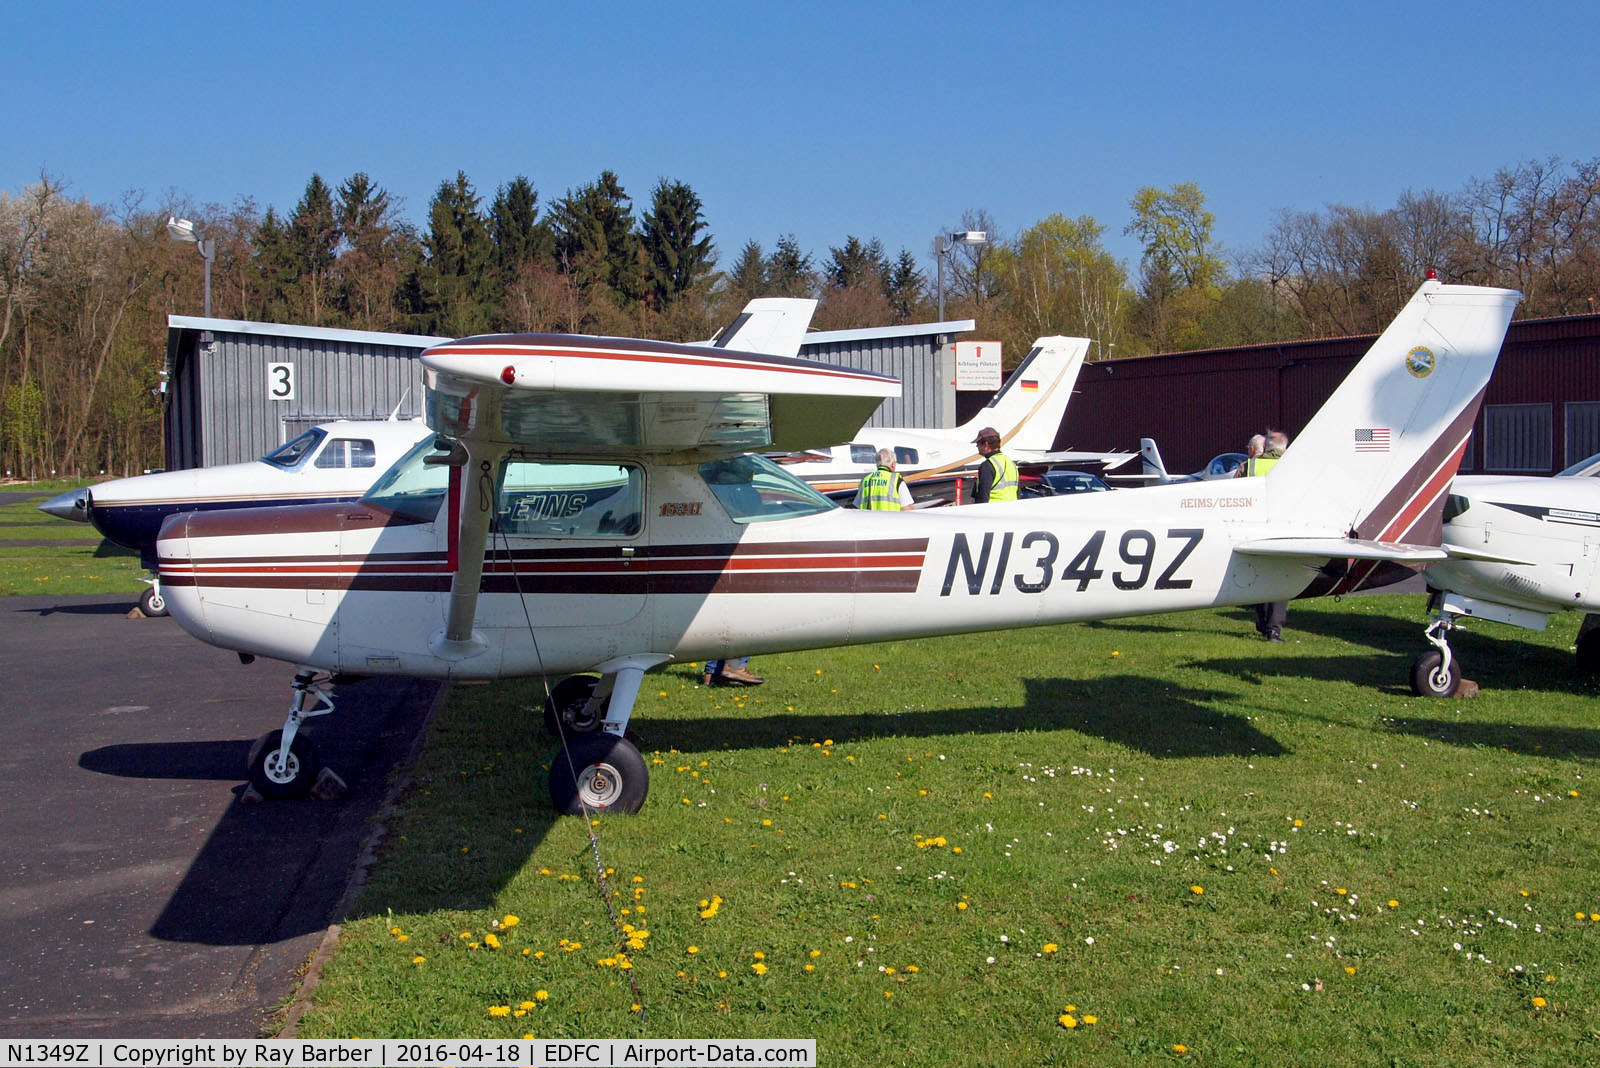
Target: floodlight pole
{"x": 184, "y": 230}
{"x": 942, "y": 244}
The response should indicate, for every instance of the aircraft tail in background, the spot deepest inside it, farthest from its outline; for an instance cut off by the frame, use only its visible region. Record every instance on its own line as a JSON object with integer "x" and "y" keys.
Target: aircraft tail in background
{"x": 1028, "y": 408}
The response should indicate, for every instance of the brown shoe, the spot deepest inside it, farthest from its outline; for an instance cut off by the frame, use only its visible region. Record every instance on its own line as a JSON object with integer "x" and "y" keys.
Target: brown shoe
{"x": 742, "y": 677}
{"x": 705, "y": 678}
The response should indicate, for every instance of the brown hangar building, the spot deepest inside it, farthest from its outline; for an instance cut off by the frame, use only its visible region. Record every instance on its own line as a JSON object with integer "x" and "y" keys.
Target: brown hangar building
{"x": 1541, "y": 413}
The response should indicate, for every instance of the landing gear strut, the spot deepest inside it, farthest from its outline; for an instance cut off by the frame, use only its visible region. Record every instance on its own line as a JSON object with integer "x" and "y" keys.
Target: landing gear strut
{"x": 284, "y": 763}
{"x": 599, "y": 768}
{"x": 1436, "y": 673}
{"x": 151, "y": 603}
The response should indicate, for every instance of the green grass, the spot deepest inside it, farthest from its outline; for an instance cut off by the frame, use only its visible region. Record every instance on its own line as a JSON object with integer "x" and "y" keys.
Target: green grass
{"x": 80, "y": 562}
{"x": 1209, "y": 831}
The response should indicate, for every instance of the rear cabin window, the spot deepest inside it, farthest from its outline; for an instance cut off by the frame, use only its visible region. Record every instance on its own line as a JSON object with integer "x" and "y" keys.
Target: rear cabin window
{"x": 753, "y": 489}
{"x": 863, "y": 454}
{"x": 543, "y": 499}
{"x": 903, "y": 455}
{"x": 348, "y": 452}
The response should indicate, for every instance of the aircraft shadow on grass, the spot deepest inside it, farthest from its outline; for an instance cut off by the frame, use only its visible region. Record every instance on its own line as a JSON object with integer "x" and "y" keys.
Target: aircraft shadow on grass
{"x": 1165, "y": 721}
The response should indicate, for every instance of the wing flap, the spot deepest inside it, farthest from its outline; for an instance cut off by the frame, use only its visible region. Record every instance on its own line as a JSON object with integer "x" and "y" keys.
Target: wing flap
{"x": 1461, "y": 552}
{"x": 1342, "y": 549}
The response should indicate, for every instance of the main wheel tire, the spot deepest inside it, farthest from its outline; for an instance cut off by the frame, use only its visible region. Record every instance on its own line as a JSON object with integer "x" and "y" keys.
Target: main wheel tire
{"x": 294, "y": 777}
{"x": 566, "y": 701}
{"x": 600, "y": 772}
{"x": 151, "y": 603}
{"x": 1429, "y": 680}
{"x": 1588, "y": 652}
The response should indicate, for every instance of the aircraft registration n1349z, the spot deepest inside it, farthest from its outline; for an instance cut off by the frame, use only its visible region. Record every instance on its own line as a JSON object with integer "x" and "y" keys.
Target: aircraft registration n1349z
{"x": 594, "y": 508}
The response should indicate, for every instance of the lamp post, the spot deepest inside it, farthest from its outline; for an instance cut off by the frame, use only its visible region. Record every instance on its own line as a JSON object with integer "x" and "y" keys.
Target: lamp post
{"x": 184, "y": 230}
{"x": 942, "y": 246}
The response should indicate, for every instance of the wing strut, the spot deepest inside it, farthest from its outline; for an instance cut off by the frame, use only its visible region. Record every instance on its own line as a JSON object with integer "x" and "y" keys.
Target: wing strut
{"x": 475, "y": 505}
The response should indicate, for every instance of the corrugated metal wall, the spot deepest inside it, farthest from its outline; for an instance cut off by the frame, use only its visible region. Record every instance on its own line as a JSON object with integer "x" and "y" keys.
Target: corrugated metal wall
{"x": 913, "y": 360}
{"x": 219, "y": 410}
{"x": 1199, "y": 404}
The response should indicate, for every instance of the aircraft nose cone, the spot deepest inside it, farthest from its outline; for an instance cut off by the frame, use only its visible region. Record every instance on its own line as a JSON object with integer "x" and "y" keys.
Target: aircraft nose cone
{"x": 73, "y": 504}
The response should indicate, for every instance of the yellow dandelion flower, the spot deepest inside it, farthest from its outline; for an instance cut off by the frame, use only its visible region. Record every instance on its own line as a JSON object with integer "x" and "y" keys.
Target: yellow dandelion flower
{"x": 693, "y": 950}
{"x": 1050, "y": 947}
{"x": 888, "y": 993}
{"x": 1067, "y": 1020}
{"x": 1393, "y": 903}
{"x": 1179, "y": 1047}
{"x": 491, "y": 941}
{"x": 526, "y": 1005}
{"x": 1090, "y": 1020}
{"x": 1299, "y": 823}
{"x": 509, "y": 921}
{"x": 961, "y": 906}
{"x": 1197, "y": 889}
{"x": 815, "y": 953}
{"x": 722, "y": 975}
{"x": 418, "y": 959}
{"x": 499, "y": 1010}
{"x": 1341, "y": 891}
{"x": 402, "y": 938}
{"x": 541, "y": 995}
{"x": 758, "y": 955}
{"x": 811, "y": 967}
{"x": 394, "y": 930}
{"x": 759, "y": 968}
{"x": 1539, "y": 1003}
{"x": 1349, "y": 969}
{"x": 1572, "y": 793}
{"x": 912, "y": 968}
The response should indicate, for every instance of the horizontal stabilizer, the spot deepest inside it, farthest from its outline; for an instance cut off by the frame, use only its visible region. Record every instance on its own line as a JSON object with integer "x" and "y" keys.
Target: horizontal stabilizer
{"x": 1461, "y": 552}
{"x": 1036, "y": 456}
{"x": 1342, "y": 549}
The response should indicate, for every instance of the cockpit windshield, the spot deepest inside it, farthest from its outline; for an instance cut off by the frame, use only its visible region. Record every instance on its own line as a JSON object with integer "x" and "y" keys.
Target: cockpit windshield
{"x": 411, "y": 487}
{"x": 292, "y": 454}
{"x": 753, "y": 489}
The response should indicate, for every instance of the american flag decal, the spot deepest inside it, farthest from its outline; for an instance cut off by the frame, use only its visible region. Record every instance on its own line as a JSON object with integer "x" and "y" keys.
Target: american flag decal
{"x": 1372, "y": 439}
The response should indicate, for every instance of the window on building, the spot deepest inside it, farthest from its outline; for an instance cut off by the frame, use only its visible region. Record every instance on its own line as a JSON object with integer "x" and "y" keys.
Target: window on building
{"x": 1517, "y": 437}
{"x": 1583, "y": 431}
{"x": 1468, "y": 463}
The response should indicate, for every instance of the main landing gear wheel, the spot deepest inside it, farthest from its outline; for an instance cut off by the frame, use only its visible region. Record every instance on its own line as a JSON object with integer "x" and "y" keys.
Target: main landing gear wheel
{"x": 566, "y": 701}
{"x": 293, "y": 776}
{"x": 1429, "y": 677}
{"x": 151, "y": 603}
{"x": 601, "y": 772}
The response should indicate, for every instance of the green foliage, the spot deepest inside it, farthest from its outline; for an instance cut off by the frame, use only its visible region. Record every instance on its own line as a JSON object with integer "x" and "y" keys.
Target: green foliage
{"x": 1164, "y": 829}
{"x": 455, "y": 282}
{"x": 676, "y": 243}
{"x": 789, "y": 270}
{"x": 595, "y": 239}
{"x": 1175, "y": 228}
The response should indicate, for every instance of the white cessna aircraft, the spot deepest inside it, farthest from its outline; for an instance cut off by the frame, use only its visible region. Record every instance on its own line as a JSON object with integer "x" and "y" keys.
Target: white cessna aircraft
{"x": 592, "y": 505}
{"x": 1520, "y": 549}
{"x": 1026, "y": 410}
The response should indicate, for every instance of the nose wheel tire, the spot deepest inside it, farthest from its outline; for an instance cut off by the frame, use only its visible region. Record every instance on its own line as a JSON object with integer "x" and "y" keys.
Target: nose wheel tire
{"x": 151, "y": 603}
{"x": 599, "y": 771}
{"x": 291, "y": 777}
{"x": 1430, "y": 679}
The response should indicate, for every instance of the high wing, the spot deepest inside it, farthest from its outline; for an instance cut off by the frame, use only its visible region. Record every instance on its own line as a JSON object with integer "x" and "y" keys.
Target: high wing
{"x": 559, "y": 393}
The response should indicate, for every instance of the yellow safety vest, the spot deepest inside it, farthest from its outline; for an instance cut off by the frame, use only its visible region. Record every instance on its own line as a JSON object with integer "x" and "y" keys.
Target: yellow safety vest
{"x": 880, "y": 491}
{"x": 1259, "y": 465}
{"x": 1006, "y": 479}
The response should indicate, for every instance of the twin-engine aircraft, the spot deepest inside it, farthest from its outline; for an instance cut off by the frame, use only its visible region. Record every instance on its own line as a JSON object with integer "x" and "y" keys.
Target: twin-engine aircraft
{"x": 1520, "y": 549}
{"x": 1026, "y": 411}
{"x": 594, "y": 508}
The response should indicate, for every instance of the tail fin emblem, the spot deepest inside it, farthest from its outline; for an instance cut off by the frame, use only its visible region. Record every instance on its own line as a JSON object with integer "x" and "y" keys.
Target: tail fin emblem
{"x": 1420, "y": 361}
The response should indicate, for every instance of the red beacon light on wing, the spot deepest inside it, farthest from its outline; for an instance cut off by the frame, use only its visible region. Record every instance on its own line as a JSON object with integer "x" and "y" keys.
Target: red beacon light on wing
{"x": 1431, "y": 275}
{"x": 509, "y": 375}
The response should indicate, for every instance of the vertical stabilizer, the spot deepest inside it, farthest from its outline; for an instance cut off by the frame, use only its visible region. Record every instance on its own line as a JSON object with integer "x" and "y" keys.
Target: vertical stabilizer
{"x": 772, "y": 326}
{"x": 1378, "y": 457}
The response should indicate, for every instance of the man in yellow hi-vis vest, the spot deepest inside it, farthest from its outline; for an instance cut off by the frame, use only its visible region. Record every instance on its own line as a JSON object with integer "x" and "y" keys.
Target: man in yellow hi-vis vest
{"x": 1264, "y": 451}
{"x": 997, "y": 475}
{"x": 883, "y": 490}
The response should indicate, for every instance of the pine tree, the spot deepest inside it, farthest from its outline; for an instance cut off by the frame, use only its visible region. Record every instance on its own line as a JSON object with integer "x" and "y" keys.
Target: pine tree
{"x": 789, "y": 272}
{"x": 595, "y": 239}
{"x": 455, "y": 285}
{"x": 678, "y": 258}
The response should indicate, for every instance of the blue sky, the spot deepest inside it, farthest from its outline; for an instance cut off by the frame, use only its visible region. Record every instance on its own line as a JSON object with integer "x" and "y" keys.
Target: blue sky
{"x": 884, "y": 120}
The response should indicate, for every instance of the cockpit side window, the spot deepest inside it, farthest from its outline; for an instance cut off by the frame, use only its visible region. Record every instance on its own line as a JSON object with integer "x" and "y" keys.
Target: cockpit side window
{"x": 863, "y": 454}
{"x": 551, "y": 499}
{"x": 292, "y": 454}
